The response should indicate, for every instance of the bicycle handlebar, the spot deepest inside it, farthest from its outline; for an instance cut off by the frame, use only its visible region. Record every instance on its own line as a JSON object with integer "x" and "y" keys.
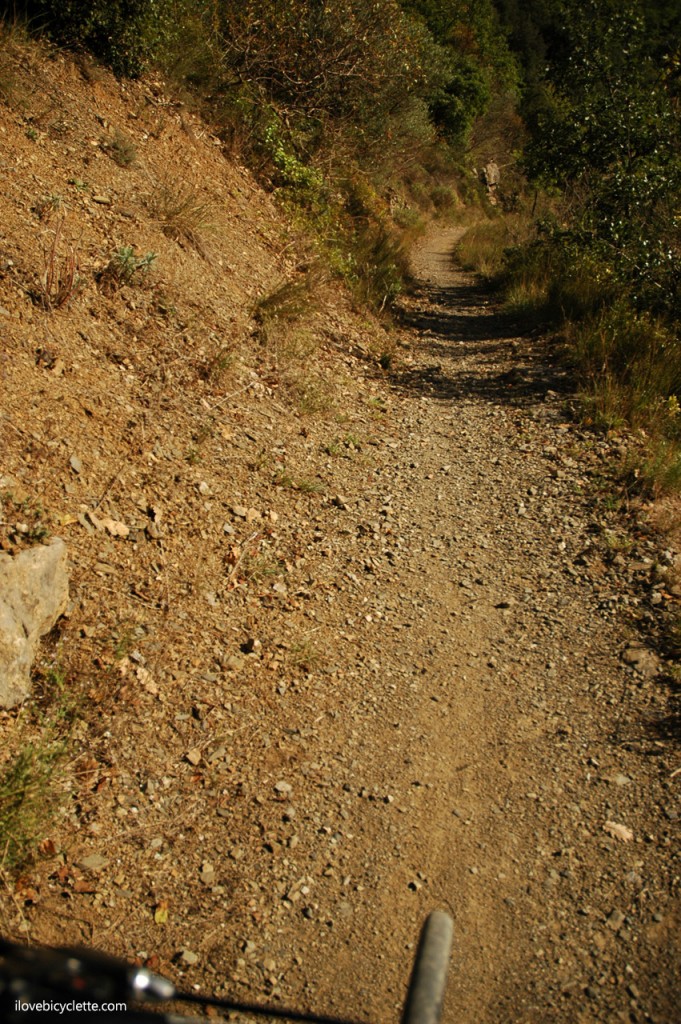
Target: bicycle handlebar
{"x": 45, "y": 976}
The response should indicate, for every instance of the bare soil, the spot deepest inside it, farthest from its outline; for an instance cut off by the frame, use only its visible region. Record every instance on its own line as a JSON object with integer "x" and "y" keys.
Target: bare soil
{"x": 348, "y": 644}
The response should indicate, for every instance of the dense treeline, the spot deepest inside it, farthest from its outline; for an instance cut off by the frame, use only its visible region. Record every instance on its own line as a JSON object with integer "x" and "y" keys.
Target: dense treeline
{"x": 601, "y": 98}
{"x": 603, "y": 109}
{"x": 352, "y": 62}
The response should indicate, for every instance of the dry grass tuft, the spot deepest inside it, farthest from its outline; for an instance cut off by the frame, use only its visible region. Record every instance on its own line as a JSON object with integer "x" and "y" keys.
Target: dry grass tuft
{"x": 58, "y": 281}
{"x": 184, "y": 214}
{"x": 288, "y": 301}
{"x": 31, "y": 780}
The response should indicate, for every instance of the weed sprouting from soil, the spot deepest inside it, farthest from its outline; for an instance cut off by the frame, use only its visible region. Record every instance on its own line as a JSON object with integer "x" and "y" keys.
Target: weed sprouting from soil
{"x": 30, "y": 781}
{"x": 125, "y": 268}
{"x": 184, "y": 214}
{"x": 121, "y": 149}
{"x": 58, "y": 282}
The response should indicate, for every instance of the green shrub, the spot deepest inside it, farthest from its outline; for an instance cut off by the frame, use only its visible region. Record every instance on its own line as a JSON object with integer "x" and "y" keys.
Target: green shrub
{"x": 125, "y": 34}
{"x": 26, "y": 797}
{"x": 443, "y": 198}
{"x": 642, "y": 355}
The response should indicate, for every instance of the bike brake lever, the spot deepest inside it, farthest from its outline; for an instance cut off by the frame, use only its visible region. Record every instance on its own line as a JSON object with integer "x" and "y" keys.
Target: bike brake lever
{"x": 75, "y": 970}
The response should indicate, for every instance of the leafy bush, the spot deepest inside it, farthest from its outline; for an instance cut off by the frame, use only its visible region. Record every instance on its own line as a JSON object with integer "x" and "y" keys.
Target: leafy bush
{"x": 342, "y": 58}
{"x": 609, "y": 135}
{"x": 641, "y": 357}
{"x": 126, "y": 34}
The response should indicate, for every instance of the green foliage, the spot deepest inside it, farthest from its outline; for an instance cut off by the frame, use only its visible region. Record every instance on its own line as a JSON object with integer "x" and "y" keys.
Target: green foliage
{"x": 608, "y": 134}
{"x": 126, "y": 34}
{"x": 601, "y": 99}
{"x": 124, "y": 266}
{"x": 312, "y": 95}
{"x": 341, "y": 58}
{"x": 30, "y": 780}
{"x": 24, "y": 788}
{"x": 644, "y": 359}
{"x": 303, "y": 182}
{"x": 474, "y": 61}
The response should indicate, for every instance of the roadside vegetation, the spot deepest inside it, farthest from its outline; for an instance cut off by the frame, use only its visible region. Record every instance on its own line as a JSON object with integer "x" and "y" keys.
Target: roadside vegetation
{"x": 365, "y": 119}
{"x": 32, "y": 776}
{"x": 359, "y": 116}
{"x": 595, "y": 251}
{"x": 368, "y": 119}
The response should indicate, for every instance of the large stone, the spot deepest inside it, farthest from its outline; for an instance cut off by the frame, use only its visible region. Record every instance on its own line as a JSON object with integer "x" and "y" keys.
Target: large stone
{"x": 643, "y": 660}
{"x": 34, "y": 591}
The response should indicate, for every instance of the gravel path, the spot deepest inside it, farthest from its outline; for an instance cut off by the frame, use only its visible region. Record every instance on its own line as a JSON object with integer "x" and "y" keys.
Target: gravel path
{"x": 494, "y": 748}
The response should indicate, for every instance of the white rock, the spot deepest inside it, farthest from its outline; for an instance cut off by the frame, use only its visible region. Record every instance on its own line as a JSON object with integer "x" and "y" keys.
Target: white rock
{"x": 34, "y": 592}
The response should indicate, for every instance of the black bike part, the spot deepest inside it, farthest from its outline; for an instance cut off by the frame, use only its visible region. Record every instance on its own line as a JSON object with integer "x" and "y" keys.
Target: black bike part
{"x": 73, "y": 971}
{"x": 38, "y": 974}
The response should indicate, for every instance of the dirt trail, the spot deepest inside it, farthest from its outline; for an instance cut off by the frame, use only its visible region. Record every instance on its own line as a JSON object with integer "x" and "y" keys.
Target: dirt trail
{"x": 373, "y": 665}
{"x": 491, "y": 740}
{"x": 344, "y": 644}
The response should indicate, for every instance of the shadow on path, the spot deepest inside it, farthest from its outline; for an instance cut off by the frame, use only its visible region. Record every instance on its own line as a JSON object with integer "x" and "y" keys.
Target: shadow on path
{"x": 476, "y": 350}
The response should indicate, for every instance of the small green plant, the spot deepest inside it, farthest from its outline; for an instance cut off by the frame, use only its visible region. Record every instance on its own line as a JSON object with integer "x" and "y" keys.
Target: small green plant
{"x": 345, "y": 446}
{"x": 124, "y": 266}
{"x": 48, "y": 206}
{"x": 32, "y": 134}
{"x": 312, "y": 394}
{"x": 282, "y": 478}
{"x": 307, "y": 486}
{"x": 259, "y": 566}
{"x": 25, "y": 521}
{"x": 660, "y": 471}
{"x": 300, "y": 182}
{"x": 616, "y": 543}
{"x": 443, "y": 198}
{"x": 674, "y": 645}
{"x": 25, "y": 795}
{"x": 215, "y": 366}
{"x": 305, "y": 656}
{"x": 409, "y": 220}
{"x": 163, "y": 306}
